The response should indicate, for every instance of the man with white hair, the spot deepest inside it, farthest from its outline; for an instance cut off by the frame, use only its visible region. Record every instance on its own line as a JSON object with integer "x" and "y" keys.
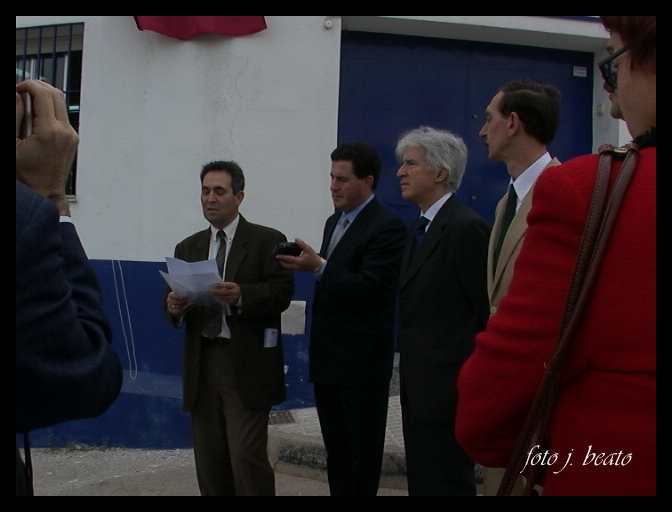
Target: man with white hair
{"x": 443, "y": 303}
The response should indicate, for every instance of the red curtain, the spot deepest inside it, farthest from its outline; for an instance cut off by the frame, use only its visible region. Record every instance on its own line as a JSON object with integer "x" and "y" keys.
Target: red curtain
{"x": 186, "y": 27}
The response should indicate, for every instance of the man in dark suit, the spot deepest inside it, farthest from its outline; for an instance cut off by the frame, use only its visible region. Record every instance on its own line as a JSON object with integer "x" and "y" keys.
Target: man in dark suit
{"x": 65, "y": 366}
{"x": 233, "y": 366}
{"x": 443, "y": 303}
{"x": 351, "y": 341}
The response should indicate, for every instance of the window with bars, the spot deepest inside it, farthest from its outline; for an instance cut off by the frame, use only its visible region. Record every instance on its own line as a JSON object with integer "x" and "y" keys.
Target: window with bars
{"x": 53, "y": 54}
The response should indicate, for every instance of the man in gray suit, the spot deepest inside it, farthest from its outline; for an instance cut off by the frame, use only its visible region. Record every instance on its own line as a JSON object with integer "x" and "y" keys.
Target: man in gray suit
{"x": 443, "y": 303}
{"x": 233, "y": 366}
{"x": 521, "y": 120}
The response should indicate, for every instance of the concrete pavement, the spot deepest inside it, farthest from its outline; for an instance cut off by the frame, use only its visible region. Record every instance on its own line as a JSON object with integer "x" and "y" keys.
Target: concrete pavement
{"x": 296, "y": 446}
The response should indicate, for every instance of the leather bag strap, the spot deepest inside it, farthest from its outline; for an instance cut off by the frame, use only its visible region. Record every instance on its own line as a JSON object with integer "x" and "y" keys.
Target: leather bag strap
{"x": 604, "y": 207}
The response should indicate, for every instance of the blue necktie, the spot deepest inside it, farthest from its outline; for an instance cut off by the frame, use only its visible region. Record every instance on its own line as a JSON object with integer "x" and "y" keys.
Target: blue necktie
{"x": 338, "y": 233}
{"x": 420, "y": 229}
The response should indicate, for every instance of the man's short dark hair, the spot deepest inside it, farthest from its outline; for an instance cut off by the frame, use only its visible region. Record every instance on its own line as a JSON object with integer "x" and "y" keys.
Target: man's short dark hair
{"x": 237, "y": 176}
{"x": 537, "y": 105}
{"x": 365, "y": 159}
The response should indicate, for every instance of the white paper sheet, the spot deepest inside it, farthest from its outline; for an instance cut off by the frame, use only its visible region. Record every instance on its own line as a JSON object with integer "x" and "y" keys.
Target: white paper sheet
{"x": 192, "y": 280}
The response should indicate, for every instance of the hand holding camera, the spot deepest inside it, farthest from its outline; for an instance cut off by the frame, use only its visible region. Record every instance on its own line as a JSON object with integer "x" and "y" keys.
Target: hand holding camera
{"x": 288, "y": 249}
{"x": 24, "y": 115}
{"x": 306, "y": 259}
{"x": 44, "y": 155}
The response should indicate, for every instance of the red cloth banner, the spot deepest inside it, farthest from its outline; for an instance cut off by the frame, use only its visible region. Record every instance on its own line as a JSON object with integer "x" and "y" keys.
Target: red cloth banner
{"x": 186, "y": 27}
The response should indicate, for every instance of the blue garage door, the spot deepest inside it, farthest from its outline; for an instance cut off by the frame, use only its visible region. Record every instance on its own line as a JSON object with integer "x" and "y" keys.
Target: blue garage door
{"x": 390, "y": 84}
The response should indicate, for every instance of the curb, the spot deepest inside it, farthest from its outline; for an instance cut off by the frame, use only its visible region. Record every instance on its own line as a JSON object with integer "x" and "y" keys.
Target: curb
{"x": 305, "y": 456}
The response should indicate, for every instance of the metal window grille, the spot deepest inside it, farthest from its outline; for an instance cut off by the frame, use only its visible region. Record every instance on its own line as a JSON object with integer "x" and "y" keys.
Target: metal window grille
{"x": 53, "y": 53}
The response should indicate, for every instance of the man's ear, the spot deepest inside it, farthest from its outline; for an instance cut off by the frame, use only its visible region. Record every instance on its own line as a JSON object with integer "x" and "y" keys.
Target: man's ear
{"x": 369, "y": 181}
{"x": 442, "y": 175}
{"x": 514, "y": 124}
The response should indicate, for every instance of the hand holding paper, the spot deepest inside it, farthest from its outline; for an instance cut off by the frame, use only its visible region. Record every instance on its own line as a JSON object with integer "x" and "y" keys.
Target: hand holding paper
{"x": 176, "y": 304}
{"x": 227, "y": 292}
{"x": 193, "y": 281}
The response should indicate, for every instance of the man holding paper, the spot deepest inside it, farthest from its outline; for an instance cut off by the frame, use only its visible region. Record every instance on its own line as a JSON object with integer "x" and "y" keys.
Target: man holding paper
{"x": 233, "y": 365}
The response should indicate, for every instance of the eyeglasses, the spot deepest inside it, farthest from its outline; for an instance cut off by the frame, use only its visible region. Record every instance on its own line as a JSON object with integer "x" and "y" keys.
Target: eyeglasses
{"x": 607, "y": 67}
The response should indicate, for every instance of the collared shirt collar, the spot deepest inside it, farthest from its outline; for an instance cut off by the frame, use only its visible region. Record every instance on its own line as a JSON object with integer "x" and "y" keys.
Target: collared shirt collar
{"x": 229, "y": 230}
{"x": 523, "y": 184}
{"x": 434, "y": 209}
{"x": 352, "y": 214}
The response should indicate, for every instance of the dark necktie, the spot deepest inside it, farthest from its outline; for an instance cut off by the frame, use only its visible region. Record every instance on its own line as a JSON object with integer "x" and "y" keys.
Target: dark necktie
{"x": 221, "y": 252}
{"x": 509, "y": 213}
{"x": 420, "y": 230}
{"x": 213, "y": 322}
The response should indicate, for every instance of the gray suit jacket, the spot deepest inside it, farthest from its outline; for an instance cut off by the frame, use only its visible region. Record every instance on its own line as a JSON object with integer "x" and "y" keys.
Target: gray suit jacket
{"x": 500, "y": 277}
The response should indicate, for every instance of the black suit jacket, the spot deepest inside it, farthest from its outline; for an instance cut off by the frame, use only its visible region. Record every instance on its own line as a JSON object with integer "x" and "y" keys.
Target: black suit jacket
{"x": 443, "y": 303}
{"x": 352, "y": 340}
{"x": 266, "y": 288}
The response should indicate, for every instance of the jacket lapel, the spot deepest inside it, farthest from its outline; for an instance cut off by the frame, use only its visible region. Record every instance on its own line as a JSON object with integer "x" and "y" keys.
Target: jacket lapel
{"x": 200, "y": 250}
{"x": 355, "y": 230}
{"x": 515, "y": 233}
{"x": 408, "y": 248}
{"x": 238, "y": 249}
{"x": 329, "y": 227}
{"x": 412, "y": 262}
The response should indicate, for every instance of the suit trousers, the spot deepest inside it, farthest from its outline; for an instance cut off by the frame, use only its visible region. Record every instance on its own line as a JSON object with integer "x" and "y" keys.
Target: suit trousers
{"x": 436, "y": 465}
{"x": 230, "y": 440}
{"x": 353, "y": 421}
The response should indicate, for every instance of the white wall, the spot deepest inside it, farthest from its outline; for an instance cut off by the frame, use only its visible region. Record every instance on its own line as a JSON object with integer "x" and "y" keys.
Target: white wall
{"x": 155, "y": 109}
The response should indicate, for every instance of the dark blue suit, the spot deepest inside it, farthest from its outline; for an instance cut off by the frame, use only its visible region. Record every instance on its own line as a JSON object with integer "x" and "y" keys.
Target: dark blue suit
{"x": 352, "y": 345}
{"x": 65, "y": 366}
{"x": 443, "y": 303}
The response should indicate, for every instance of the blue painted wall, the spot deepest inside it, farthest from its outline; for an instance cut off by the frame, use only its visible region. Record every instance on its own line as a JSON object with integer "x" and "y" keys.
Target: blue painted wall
{"x": 391, "y": 84}
{"x": 148, "y": 412}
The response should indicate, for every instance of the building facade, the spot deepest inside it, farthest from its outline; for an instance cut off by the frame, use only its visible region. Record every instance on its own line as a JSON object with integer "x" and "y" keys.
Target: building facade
{"x": 152, "y": 109}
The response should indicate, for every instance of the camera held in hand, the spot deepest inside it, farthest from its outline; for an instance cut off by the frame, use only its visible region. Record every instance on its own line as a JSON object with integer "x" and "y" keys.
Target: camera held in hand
{"x": 287, "y": 249}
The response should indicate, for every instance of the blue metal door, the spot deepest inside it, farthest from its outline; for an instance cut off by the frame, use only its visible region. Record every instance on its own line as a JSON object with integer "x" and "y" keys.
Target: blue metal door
{"x": 391, "y": 84}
